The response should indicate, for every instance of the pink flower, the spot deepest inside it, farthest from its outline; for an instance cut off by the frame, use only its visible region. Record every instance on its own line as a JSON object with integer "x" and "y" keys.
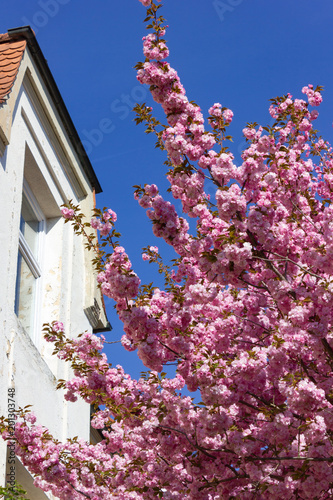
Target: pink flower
{"x": 105, "y": 229}
{"x": 249, "y": 133}
{"x": 110, "y": 214}
{"x": 215, "y": 110}
{"x": 314, "y": 114}
{"x": 95, "y": 223}
{"x": 67, "y": 213}
{"x": 228, "y": 115}
{"x": 58, "y": 326}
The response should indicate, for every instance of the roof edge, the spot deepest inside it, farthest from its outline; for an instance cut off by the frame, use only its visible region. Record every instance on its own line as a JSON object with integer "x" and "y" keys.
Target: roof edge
{"x": 26, "y": 33}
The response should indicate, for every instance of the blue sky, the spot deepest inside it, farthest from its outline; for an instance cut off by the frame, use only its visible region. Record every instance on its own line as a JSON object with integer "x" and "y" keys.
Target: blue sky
{"x": 237, "y": 52}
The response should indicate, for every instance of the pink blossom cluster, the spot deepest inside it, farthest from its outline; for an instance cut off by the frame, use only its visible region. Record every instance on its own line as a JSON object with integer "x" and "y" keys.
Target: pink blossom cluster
{"x": 104, "y": 225}
{"x": 314, "y": 97}
{"x": 162, "y": 213}
{"x": 153, "y": 48}
{"x": 118, "y": 281}
{"x": 189, "y": 189}
{"x": 217, "y": 113}
{"x": 246, "y": 318}
{"x": 185, "y": 135}
{"x": 153, "y": 251}
{"x": 67, "y": 213}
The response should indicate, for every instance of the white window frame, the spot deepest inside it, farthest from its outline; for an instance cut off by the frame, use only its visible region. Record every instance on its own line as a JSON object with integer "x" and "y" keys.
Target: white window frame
{"x": 34, "y": 263}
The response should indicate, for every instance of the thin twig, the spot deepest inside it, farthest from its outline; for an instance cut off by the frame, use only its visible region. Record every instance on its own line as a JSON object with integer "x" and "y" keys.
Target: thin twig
{"x": 249, "y": 405}
{"x": 287, "y": 259}
{"x": 169, "y": 348}
{"x": 310, "y": 459}
{"x": 77, "y": 491}
{"x": 305, "y": 217}
{"x": 251, "y": 321}
{"x": 252, "y": 284}
{"x": 188, "y": 439}
{"x": 327, "y": 348}
{"x": 303, "y": 365}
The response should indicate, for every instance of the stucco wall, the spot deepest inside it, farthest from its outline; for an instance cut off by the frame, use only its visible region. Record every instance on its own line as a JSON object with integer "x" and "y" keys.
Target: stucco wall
{"x": 40, "y": 152}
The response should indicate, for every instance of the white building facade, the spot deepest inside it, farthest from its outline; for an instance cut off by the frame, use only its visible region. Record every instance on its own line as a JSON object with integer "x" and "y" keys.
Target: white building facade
{"x": 46, "y": 273}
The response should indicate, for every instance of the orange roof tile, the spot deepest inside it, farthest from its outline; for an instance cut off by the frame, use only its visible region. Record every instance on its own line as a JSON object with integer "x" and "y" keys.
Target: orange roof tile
{"x": 11, "y": 53}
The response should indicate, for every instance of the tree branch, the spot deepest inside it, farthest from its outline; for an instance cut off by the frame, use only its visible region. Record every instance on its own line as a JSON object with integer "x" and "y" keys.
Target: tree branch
{"x": 309, "y": 459}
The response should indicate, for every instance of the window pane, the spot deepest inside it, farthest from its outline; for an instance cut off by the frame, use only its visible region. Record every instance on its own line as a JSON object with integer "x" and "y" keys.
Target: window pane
{"x": 25, "y": 294}
{"x": 29, "y": 225}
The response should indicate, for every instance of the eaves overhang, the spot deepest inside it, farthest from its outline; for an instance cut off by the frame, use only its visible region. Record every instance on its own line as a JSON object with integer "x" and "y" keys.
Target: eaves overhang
{"x": 25, "y": 33}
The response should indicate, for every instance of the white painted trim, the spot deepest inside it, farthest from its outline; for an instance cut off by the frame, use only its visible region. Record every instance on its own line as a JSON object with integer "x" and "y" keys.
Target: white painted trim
{"x": 63, "y": 178}
{"x": 33, "y": 202}
{"x": 43, "y": 162}
{"x": 29, "y": 257}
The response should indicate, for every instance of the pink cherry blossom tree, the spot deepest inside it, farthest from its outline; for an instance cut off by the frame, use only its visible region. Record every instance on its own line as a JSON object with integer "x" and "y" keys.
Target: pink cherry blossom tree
{"x": 246, "y": 315}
